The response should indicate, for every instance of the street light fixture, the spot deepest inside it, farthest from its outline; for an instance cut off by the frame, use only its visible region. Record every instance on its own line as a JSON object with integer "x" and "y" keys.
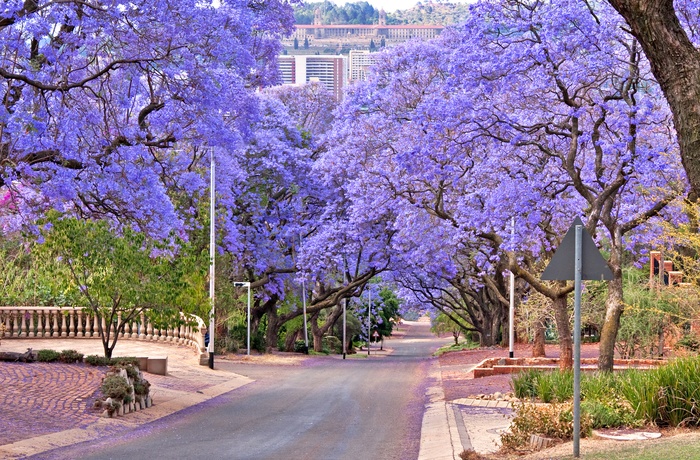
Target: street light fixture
{"x": 246, "y": 284}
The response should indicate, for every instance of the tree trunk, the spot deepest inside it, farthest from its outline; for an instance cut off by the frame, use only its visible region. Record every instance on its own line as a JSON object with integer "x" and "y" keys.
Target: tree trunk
{"x": 292, "y": 337}
{"x": 561, "y": 316}
{"x": 272, "y": 332}
{"x": 316, "y": 333}
{"x": 675, "y": 63}
{"x": 611, "y": 324}
{"x": 538, "y": 350}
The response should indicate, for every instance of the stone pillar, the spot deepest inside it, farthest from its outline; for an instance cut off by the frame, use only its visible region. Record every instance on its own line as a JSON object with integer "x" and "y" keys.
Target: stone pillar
{"x": 23, "y": 326}
{"x": 71, "y": 332}
{"x": 30, "y": 331}
{"x": 64, "y": 324}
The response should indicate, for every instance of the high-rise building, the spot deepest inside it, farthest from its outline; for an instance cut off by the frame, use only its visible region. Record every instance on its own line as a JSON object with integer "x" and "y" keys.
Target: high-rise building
{"x": 301, "y": 69}
{"x": 359, "y": 61}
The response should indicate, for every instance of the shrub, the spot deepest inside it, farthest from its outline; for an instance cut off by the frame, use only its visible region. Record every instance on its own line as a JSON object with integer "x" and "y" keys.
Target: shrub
{"x": 124, "y": 361}
{"x": 550, "y": 420}
{"x": 690, "y": 342}
{"x": 300, "y": 347}
{"x": 70, "y": 356}
{"x": 142, "y": 387}
{"x": 47, "y": 356}
{"x": 115, "y": 387}
{"x": 95, "y": 360}
{"x": 609, "y": 414}
{"x": 132, "y": 371}
{"x": 523, "y": 384}
{"x": 332, "y": 344}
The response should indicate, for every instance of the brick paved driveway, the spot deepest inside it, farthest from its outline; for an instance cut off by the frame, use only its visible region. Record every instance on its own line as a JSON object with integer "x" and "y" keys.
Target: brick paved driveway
{"x": 41, "y": 398}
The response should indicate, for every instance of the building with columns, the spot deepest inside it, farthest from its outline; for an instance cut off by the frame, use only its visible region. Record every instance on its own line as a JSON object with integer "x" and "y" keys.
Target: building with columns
{"x": 390, "y": 33}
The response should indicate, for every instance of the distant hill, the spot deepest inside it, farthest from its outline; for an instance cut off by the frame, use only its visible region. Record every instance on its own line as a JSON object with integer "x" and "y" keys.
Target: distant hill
{"x": 431, "y": 13}
{"x": 364, "y": 13}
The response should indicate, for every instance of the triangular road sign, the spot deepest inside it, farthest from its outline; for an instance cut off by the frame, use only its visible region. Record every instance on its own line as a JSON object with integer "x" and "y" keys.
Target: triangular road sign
{"x": 562, "y": 265}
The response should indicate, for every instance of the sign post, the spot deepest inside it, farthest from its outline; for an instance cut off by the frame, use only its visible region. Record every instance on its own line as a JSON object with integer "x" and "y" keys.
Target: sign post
{"x": 590, "y": 265}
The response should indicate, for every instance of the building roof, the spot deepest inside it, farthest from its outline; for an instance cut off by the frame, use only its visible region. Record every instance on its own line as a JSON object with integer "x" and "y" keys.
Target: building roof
{"x": 367, "y": 26}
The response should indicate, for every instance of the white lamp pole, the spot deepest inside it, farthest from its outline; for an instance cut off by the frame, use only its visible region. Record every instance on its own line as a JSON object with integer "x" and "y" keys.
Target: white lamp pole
{"x": 369, "y": 319}
{"x": 511, "y": 313}
{"x": 246, "y": 284}
{"x": 212, "y": 255}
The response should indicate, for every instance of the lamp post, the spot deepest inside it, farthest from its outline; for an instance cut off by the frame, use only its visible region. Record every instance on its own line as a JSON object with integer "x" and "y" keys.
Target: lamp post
{"x": 369, "y": 320}
{"x": 511, "y": 310}
{"x": 212, "y": 255}
{"x": 246, "y": 284}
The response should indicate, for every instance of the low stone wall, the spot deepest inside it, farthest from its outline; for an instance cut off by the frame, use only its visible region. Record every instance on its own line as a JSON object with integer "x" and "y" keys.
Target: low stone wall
{"x": 496, "y": 366}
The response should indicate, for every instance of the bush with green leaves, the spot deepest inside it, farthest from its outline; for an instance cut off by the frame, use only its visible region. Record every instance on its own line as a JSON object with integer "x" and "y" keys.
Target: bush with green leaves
{"x": 689, "y": 342}
{"x": 47, "y": 356}
{"x": 667, "y": 395}
{"x": 300, "y": 347}
{"x": 70, "y": 356}
{"x": 115, "y": 387}
{"x": 95, "y": 360}
{"x": 332, "y": 344}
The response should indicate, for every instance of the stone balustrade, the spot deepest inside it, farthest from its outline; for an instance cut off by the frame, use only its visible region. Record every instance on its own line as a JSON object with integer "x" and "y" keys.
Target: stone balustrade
{"x": 70, "y": 322}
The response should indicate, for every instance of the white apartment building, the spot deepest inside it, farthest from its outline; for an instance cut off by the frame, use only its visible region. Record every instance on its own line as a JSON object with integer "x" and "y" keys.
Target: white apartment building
{"x": 359, "y": 62}
{"x": 331, "y": 71}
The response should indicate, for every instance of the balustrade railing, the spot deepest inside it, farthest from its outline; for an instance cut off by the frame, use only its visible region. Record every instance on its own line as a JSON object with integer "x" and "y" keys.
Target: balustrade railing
{"x": 69, "y": 322}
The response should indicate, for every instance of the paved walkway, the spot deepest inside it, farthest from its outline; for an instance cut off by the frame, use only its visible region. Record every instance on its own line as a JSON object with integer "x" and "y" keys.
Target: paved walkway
{"x": 450, "y": 427}
{"x": 41, "y": 400}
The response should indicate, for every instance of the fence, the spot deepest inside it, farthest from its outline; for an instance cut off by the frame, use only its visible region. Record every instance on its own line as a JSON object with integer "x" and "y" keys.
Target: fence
{"x": 70, "y": 322}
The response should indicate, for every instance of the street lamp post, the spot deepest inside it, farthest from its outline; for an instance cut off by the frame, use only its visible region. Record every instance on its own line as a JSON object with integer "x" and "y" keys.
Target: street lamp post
{"x": 369, "y": 320}
{"x": 246, "y": 284}
{"x": 212, "y": 256}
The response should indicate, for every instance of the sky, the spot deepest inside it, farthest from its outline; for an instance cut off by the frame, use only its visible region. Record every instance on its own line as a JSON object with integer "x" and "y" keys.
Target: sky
{"x": 393, "y": 5}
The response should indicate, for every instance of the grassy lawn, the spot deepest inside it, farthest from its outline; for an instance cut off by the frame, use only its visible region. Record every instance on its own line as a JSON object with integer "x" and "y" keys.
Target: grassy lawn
{"x": 462, "y": 346}
{"x": 685, "y": 446}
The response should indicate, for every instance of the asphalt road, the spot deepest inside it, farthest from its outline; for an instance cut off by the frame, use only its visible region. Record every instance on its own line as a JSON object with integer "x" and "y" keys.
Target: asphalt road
{"x": 327, "y": 408}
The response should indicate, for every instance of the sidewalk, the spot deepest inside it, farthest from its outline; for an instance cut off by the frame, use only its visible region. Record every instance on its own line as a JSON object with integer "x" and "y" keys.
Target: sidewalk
{"x": 452, "y": 427}
{"x": 40, "y": 400}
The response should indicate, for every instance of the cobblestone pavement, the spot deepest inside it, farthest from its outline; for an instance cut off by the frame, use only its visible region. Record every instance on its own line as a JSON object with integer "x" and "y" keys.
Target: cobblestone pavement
{"x": 48, "y": 405}
{"x": 42, "y": 398}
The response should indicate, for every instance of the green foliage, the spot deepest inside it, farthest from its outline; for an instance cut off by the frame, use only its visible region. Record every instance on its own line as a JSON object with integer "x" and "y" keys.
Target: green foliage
{"x": 666, "y": 396}
{"x": 47, "y": 356}
{"x": 132, "y": 371}
{"x": 551, "y": 386}
{"x": 349, "y": 13}
{"x": 300, "y": 347}
{"x": 124, "y": 361}
{"x": 452, "y": 324}
{"x": 70, "y": 356}
{"x": 117, "y": 273}
{"x": 95, "y": 360}
{"x": 331, "y": 344}
{"x": 647, "y": 312}
{"x": 465, "y": 345}
{"x": 689, "y": 342}
{"x": 115, "y": 387}
{"x": 364, "y": 13}
{"x": 549, "y": 420}
{"x": 524, "y": 384}
{"x": 609, "y": 414}
{"x": 142, "y": 387}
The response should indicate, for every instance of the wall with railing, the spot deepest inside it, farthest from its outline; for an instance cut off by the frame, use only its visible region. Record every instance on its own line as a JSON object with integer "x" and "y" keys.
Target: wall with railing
{"x": 70, "y": 322}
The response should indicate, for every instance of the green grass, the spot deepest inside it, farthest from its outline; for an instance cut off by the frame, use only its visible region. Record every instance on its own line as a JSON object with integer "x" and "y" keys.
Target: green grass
{"x": 669, "y": 448}
{"x": 460, "y": 347}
